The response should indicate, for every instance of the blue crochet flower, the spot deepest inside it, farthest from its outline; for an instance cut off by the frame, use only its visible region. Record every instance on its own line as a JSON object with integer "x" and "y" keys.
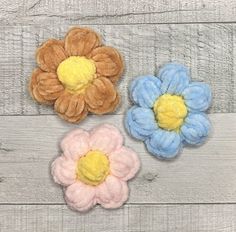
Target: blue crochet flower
{"x": 169, "y": 111}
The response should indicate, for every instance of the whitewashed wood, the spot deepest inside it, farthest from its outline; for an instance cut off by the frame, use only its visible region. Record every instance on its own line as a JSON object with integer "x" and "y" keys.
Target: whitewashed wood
{"x": 115, "y": 12}
{"x": 135, "y": 218}
{"x": 28, "y": 144}
{"x": 208, "y": 50}
{"x": 199, "y": 175}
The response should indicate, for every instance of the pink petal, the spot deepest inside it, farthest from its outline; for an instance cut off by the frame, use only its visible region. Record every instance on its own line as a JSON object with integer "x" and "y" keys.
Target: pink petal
{"x": 106, "y": 138}
{"x": 80, "y": 196}
{"x": 75, "y": 144}
{"x": 124, "y": 163}
{"x": 63, "y": 171}
{"x": 112, "y": 193}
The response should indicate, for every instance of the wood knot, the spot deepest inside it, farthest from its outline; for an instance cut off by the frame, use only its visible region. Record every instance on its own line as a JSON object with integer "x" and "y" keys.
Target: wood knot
{"x": 5, "y": 149}
{"x": 150, "y": 176}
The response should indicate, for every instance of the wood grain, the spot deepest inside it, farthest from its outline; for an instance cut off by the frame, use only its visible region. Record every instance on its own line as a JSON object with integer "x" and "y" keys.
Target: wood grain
{"x": 149, "y": 33}
{"x": 135, "y": 218}
{"x": 203, "y": 175}
{"x": 207, "y": 49}
{"x": 115, "y": 12}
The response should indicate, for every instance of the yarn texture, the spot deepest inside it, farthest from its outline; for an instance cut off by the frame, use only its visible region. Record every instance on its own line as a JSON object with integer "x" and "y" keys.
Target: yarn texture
{"x": 94, "y": 168}
{"x": 77, "y": 75}
{"x": 168, "y": 111}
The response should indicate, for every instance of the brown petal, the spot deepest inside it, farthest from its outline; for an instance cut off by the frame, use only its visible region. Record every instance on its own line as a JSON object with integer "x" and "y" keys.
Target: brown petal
{"x": 108, "y": 62}
{"x": 50, "y": 54}
{"x": 101, "y": 96}
{"x": 45, "y": 87}
{"x": 33, "y": 81}
{"x": 81, "y": 41}
{"x": 71, "y": 107}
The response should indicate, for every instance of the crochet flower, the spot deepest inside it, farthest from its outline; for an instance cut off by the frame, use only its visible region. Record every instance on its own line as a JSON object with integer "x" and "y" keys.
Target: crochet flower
{"x": 95, "y": 168}
{"x": 77, "y": 75}
{"x": 169, "y": 111}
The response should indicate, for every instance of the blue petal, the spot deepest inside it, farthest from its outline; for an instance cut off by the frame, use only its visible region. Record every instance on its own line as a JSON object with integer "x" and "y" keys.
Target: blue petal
{"x": 145, "y": 90}
{"x": 195, "y": 129}
{"x": 164, "y": 144}
{"x": 197, "y": 96}
{"x": 140, "y": 122}
{"x": 174, "y": 78}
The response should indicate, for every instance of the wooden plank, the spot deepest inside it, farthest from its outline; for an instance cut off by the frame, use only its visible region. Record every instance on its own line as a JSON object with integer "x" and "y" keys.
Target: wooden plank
{"x": 207, "y": 49}
{"x": 115, "y": 12}
{"x": 203, "y": 175}
{"x": 135, "y": 218}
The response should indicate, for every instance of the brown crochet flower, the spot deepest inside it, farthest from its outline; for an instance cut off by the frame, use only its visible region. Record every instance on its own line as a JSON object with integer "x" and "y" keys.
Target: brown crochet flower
{"x": 77, "y": 75}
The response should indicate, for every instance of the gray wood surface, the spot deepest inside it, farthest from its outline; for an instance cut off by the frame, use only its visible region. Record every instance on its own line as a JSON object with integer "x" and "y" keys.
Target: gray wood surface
{"x": 142, "y": 218}
{"x": 196, "y": 191}
{"x": 116, "y": 12}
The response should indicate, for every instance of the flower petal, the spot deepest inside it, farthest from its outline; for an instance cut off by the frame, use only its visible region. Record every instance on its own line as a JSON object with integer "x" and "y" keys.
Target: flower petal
{"x": 50, "y": 54}
{"x": 101, "y": 96}
{"x": 112, "y": 193}
{"x": 81, "y": 41}
{"x": 33, "y": 88}
{"x": 71, "y": 107}
{"x": 75, "y": 144}
{"x": 108, "y": 62}
{"x": 124, "y": 163}
{"x": 174, "y": 77}
{"x": 45, "y": 87}
{"x": 63, "y": 171}
{"x": 164, "y": 144}
{"x": 140, "y": 122}
{"x": 196, "y": 128}
{"x": 197, "y": 96}
{"x": 106, "y": 138}
{"x": 145, "y": 90}
{"x": 80, "y": 197}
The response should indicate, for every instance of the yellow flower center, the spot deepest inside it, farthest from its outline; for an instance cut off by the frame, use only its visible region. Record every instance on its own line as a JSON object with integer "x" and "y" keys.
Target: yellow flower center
{"x": 76, "y": 72}
{"x": 93, "y": 168}
{"x": 170, "y": 111}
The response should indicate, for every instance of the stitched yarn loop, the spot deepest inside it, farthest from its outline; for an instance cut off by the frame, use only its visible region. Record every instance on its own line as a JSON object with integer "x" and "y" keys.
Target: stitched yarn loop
{"x": 77, "y": 75}
{"x": 94, "y": 168}
{"x": 76, "y": 72}
{"x": 168, "y": 111}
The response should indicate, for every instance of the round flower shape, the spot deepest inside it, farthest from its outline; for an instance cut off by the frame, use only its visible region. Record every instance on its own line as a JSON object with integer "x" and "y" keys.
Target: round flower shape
{"x": 77, "y": 75}
{"x": 94, "y": 168}
{"x": 168, "y": 111}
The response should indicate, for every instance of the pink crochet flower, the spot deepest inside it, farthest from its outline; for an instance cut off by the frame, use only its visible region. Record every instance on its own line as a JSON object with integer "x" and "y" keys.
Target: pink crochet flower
{"x": 95, "y": 167}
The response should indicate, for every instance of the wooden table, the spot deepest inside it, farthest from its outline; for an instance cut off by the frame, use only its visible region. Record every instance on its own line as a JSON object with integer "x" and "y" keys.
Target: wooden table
{"x": 197, "y": 191}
